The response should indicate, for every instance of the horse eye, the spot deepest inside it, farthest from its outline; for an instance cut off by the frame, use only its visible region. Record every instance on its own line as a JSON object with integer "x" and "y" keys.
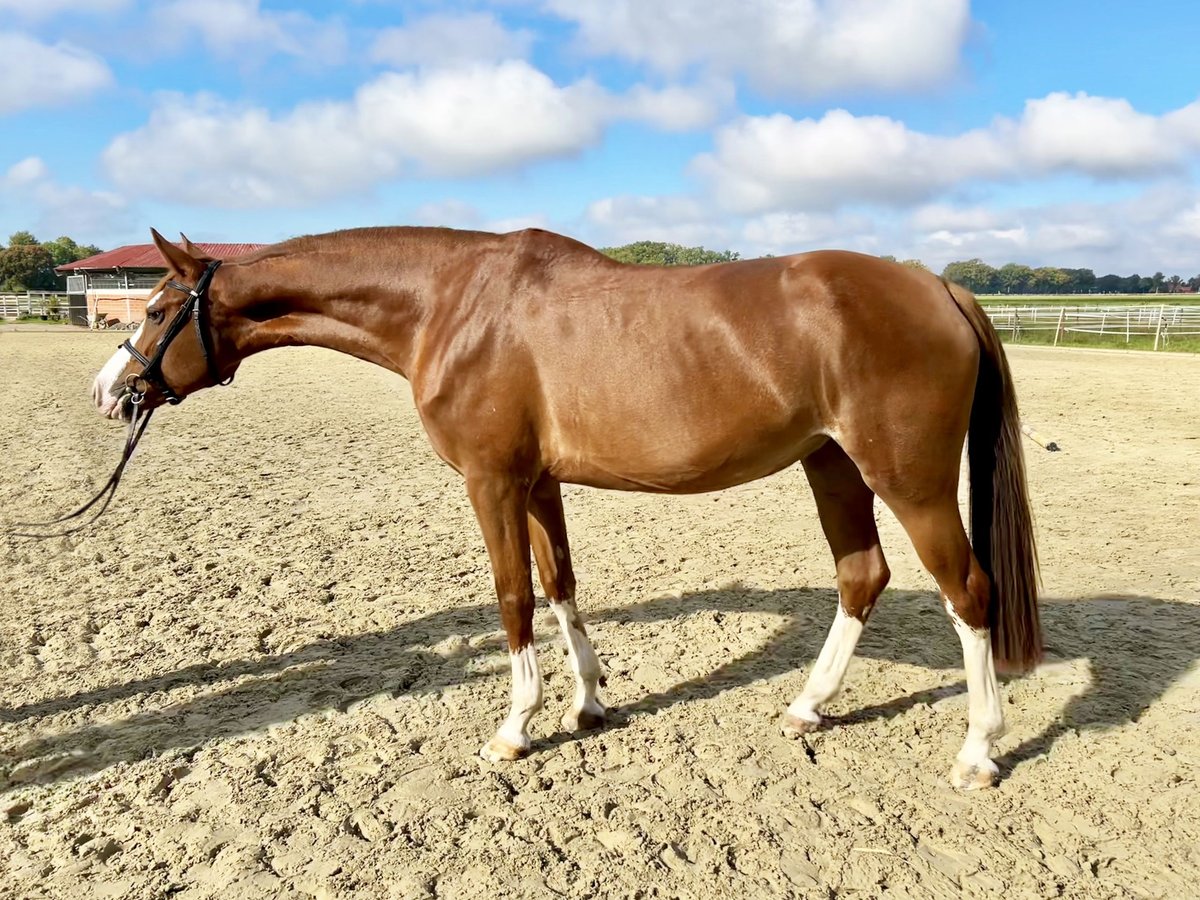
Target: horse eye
{"x": 154, "y": 315}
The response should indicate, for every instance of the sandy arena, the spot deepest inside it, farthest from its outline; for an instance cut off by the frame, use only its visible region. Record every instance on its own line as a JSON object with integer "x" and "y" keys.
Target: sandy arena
{"x": 267, "y": 671}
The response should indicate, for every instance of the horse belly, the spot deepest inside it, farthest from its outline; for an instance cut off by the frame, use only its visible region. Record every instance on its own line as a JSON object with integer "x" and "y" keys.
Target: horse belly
{"x": 681, "y": 457}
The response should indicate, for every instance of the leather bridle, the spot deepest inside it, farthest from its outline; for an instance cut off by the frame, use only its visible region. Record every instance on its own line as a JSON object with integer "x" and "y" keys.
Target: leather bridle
{"x": 139, "y": 418}
{"x": 193, "y": 309}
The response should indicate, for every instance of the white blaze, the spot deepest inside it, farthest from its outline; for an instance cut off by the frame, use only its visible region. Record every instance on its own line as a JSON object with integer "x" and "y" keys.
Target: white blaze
{"x": 106, "y": 399}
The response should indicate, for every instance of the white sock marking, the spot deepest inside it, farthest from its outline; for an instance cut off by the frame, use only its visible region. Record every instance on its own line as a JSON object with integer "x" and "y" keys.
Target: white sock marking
{"x": 985, "y": 714}
{"x": 825, "y": 680}
{"x": 526, "y": 698}
{"x": 583, "y": 659}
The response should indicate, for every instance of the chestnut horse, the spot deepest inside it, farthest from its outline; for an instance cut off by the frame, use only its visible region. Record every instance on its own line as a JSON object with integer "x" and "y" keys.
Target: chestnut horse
{"x": 535, "y": 360}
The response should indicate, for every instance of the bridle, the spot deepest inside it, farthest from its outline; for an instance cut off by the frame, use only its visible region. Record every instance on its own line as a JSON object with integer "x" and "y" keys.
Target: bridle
{"x": 151, "y": 374}
{"x": 193, "y": 308}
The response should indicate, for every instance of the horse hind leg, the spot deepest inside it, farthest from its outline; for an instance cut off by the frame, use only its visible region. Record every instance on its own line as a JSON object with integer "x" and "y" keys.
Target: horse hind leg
{"x": 548, "y": 536}
{"x": 845, "y": 506}
{"x": 937, "y": 533}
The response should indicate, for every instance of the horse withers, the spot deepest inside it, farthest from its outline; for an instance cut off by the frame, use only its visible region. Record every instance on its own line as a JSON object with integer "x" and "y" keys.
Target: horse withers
{"x": 535, "y": 360}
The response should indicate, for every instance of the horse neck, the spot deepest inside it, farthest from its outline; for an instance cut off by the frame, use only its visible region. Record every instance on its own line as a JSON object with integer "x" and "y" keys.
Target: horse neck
{"x": 368, "y": 297}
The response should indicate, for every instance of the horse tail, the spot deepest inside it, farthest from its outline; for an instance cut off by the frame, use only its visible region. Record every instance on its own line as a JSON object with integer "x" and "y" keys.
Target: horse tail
{"x": 1001, "y": 522}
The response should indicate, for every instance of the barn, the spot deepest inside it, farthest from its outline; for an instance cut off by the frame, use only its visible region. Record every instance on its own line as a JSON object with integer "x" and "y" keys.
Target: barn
{"x": 112, "y": 288}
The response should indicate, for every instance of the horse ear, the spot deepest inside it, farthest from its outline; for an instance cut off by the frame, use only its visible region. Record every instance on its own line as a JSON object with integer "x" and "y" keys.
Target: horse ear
{"x": 179, "y": 261}
{"x": 193, "y": 249}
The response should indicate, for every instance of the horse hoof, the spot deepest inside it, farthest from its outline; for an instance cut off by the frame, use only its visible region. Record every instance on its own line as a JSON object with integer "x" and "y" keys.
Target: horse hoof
{"x": 585, "y": 719}
{"x": 967, "y": 776}
{"x": 497, "y": 750}
{"x": 794, "y": 726}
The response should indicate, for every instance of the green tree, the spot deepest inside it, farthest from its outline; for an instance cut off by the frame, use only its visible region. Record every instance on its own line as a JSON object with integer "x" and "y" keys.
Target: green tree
{"x": 1157, "y": 281}
{"x": 1013, "y": 278}
{"x": 27, "y": 267}
{"x": 65, "y": 250}
{"x": 973, "y": 274}
{"x": 915, "y": 264}
{"x": 1050, "y": 280}
{"x": 22, "y": 239}
{"x": 658, "y": 253}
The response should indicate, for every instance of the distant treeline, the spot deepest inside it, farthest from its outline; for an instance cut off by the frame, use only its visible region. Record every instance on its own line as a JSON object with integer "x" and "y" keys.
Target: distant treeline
{"x": 978, "y": 276}
{"x": 973, "y": 274}
{"x": 27, "y": 264}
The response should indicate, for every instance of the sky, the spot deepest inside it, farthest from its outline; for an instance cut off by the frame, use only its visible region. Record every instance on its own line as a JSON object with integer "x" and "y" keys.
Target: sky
{"x": 1045, "y": 133}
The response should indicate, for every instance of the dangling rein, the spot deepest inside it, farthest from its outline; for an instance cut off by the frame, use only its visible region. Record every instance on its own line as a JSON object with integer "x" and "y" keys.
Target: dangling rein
{"x": 191, "y": 310}
{"x": 137, "y": 425}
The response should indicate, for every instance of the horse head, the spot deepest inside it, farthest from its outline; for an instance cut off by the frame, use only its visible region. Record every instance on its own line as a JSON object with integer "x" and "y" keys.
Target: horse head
{"x": 179, "y": 348}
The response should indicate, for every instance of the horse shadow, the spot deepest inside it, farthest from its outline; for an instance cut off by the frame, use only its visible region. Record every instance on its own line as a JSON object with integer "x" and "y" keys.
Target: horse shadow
{"x": 1137, "y": 647}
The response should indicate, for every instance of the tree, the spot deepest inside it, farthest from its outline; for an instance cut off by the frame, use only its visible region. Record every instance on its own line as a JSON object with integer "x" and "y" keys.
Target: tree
{"x": 1080, "y": 281}
{"x": 1013, "y": 278}
{"x": 1157, "y": 281}
{"x": 65, "y": 250}
{"x": 915, "y": 264}
{"x": 1050, "y": 280}
{"x": 973, "y": 274}
{"x": 658, "y": 253}
{"x": 27, "y": 267}
{"x": 22, "y": 239}
{"x": 1174, "y": 283}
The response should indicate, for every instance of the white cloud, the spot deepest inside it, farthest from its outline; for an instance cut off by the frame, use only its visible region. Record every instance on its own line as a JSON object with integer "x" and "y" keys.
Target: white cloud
{"x": 783, "y": 233}
{"x": 33, "y": 74}
{"x": 26, "y": 172}
{"x": 30, "y": 194}
{"x": 678, "y": 220}
{"x": 1146, "y": 231}
{"x": 777, "y": 162}
{"x": 1099, "y": 135}
{"x": 450, "y": 40}
{"x": 468, "y": 121}
{"x": 762, "y": 163}
{"x": 233, "y": 27}
{"x": 804, "y": 47}
{"x": 45, "y": 9}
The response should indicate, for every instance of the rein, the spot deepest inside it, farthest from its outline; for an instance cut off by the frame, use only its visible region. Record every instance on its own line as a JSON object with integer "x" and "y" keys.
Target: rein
{"x": 151, "y": 374}
{"x": 137, "y": 425}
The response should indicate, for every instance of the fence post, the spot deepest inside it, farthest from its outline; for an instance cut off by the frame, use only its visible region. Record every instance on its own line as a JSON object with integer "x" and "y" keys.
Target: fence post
{"x": 1062, "y": 315}
{"x": 1159, "y": 330}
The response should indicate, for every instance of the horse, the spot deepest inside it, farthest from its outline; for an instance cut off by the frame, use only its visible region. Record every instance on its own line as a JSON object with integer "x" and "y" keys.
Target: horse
{"x": 535, "y": 361}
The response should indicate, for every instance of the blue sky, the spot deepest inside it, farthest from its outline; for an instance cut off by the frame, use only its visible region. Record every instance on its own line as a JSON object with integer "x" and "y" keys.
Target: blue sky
{"x": 1044, "y": 133}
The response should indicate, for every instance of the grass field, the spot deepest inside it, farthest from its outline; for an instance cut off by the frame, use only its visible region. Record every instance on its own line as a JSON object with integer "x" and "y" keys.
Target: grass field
{"x": 1112, "y": 341}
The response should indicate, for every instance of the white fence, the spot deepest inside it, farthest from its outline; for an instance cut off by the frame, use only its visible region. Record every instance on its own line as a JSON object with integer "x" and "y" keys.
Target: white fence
{"x": 1160, "y": 322}
{"x": 35, "y": 303}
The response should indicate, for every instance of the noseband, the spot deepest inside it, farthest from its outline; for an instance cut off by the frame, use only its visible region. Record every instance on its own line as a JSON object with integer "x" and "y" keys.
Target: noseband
{"x": 193, "y": 308}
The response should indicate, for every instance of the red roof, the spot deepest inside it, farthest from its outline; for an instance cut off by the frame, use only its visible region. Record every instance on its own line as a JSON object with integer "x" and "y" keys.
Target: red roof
{"x": 146, "y": 256}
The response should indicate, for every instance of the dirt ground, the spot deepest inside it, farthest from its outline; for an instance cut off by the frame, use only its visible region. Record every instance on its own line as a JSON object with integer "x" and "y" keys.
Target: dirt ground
{"x": 266, "y": 673}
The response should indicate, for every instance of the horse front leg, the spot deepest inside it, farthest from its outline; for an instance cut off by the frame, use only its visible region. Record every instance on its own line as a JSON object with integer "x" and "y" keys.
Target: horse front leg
{"x": 548, "y": 534}
{"x": 499, "y": 503}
